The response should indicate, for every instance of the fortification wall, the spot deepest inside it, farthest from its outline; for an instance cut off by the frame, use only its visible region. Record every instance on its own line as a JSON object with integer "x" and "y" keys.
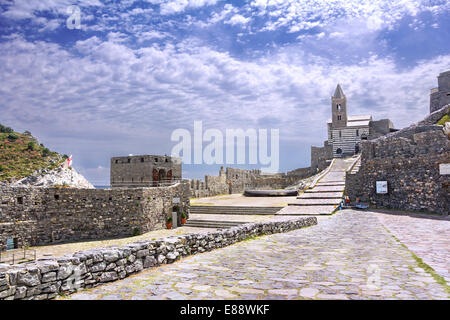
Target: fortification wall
{"x": 36, "y": 216}
{"x": 320, "y": 157}
{"x": 237, "y": 180}
{"x": 409, "y": 161}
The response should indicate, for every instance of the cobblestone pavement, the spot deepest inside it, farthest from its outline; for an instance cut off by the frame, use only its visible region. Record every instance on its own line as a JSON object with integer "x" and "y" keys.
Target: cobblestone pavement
{"x": 349, "y": 255}
{"x": 428, "y": 237}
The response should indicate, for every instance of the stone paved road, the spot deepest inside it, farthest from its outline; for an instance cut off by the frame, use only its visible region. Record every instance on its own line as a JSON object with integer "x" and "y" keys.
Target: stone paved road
{"x": 349, "y": 255}
{"x": 427, "y": 236}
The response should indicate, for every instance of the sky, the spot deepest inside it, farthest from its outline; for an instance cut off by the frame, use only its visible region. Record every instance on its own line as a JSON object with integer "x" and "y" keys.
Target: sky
{"x": 126, "y": 74}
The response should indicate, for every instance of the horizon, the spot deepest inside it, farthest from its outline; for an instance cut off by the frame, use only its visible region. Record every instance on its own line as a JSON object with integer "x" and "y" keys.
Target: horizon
{"x": 135, "y": 71}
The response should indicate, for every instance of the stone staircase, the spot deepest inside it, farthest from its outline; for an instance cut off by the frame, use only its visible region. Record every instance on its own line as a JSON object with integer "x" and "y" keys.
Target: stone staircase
{"x": 236, "y": 210}
{"x": 198, "y": 212}
{"x": 323, "y": 196}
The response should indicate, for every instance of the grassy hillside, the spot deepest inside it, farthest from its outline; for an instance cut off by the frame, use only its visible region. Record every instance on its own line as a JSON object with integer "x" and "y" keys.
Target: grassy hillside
{"x": 21, "y": 155}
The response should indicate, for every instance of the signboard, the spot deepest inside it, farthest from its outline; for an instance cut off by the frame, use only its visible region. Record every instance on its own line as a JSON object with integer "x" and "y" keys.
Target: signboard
{"x": 444, "y": 168}
{"x": 382, "y": 187}
{"x": 176, "y": 200}
{"x": 10, "y": 244}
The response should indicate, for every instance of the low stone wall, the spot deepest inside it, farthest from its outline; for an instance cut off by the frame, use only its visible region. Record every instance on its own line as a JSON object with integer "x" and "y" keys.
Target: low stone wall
{"x": 409, "y": 161}
{"x": 47, "y": 278}
{"x": 36, "y": 216}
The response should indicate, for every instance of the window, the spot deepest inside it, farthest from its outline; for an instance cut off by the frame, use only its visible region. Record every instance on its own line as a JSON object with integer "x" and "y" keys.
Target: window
{"x": 142, "y": 159}
{"x": 340, "y": 134}
{"x": 19, "y": 200}
{"x": 156, "y": 159}
{"x": 339, "y": 117}
{"x": 56, "y": 196}
{"x": 117, "y": 161}
{"x": 338, "y": 107}
{"x": 129, "y": 160}
{"x": 357, "y": 132}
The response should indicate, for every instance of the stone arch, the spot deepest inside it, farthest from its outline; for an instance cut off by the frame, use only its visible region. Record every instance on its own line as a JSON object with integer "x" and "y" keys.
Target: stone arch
{"x": 155, "y": 177}
{"x": 169, "y": 175}
{"x": 162, "y": 175}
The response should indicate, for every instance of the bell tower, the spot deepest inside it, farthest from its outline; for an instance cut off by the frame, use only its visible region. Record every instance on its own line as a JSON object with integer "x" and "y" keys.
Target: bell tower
{"x": 339, "y": 108}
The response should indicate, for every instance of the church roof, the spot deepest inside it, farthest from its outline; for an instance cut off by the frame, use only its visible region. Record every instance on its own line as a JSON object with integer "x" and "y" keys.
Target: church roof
{"x": 338, "y": 93}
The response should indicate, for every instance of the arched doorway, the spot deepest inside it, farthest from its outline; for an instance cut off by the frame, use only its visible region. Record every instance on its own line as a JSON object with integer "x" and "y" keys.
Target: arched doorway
{"x": 338, "y": 151}
{"x": 155, "y": 178}
{"x": 169, "y": 175}
{"x": 162, "y": 175}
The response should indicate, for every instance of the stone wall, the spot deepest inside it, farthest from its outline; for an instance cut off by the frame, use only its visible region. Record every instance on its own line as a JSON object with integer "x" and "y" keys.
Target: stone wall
{"x": 321, "y": 157}
{"x": 409, "y": 161}
{"x": 237, "y": 180}
{"x": 143, "y": 171}
{"x": 36, "y": 216}
{"x": 440, "y": 96}
{"x": 47, "y": 278}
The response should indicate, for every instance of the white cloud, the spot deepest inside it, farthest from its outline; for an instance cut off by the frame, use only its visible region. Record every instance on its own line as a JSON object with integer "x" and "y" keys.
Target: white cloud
{"x": 238, "y": 19}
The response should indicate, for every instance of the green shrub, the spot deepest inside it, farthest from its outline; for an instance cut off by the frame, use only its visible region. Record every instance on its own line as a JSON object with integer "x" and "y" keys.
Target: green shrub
{"x": 45, "y": 152}
{"x": 13, "y": 137}
{"x": 136, "y": 232}
{"x": 31, "y": 146}
{"x": 443, "y": 120}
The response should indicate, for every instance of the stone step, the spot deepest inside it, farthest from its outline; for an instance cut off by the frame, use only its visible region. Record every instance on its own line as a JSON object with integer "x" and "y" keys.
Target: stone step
{"x": 238, "y": 210}
{"x": 315, "y": 202}
{"x": 212, "y": 224}
{"x": 320, "y": 195}
{"x": 326, "y": 189}
{"x": 306, "y": 210}
{"x": 330, "y": 184}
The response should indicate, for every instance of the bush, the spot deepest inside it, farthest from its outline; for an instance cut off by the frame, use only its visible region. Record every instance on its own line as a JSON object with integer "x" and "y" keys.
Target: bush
{"x": 45, "y": 152}
{"x": 136, "y": 232}
{"x": 31, "y": 146}
{"x": 13, "y": 137}
{"x": 183, "y": 215}
{"x": 443, "y": 120}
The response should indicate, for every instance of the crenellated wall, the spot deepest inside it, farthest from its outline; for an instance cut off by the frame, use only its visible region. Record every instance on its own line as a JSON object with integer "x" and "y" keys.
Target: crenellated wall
{"x": 36, "y": 216}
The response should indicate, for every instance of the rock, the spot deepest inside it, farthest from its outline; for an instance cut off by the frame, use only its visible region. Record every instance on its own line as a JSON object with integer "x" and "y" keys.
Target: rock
{"x": 29, "y": 279}
{"x": 150, "y": 262}
{"x": 64, "y": 271}
{"x": 161, "y": 258}
{"x": 21, "y": 292}
{"x": 48, "y": 277}
{"x": 109, "y": 276}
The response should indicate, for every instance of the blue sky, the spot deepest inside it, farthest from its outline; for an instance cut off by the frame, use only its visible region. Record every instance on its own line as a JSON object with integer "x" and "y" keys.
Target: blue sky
{"x": 137, "y": 70}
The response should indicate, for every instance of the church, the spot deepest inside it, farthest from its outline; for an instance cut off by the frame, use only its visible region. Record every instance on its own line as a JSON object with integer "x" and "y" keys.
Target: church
{"x": 345, "y": 132}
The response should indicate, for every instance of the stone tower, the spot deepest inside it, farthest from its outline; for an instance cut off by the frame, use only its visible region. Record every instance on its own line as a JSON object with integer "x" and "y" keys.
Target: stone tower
{"x": 339, "y": 108}
{"x": 440, "y": 96}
